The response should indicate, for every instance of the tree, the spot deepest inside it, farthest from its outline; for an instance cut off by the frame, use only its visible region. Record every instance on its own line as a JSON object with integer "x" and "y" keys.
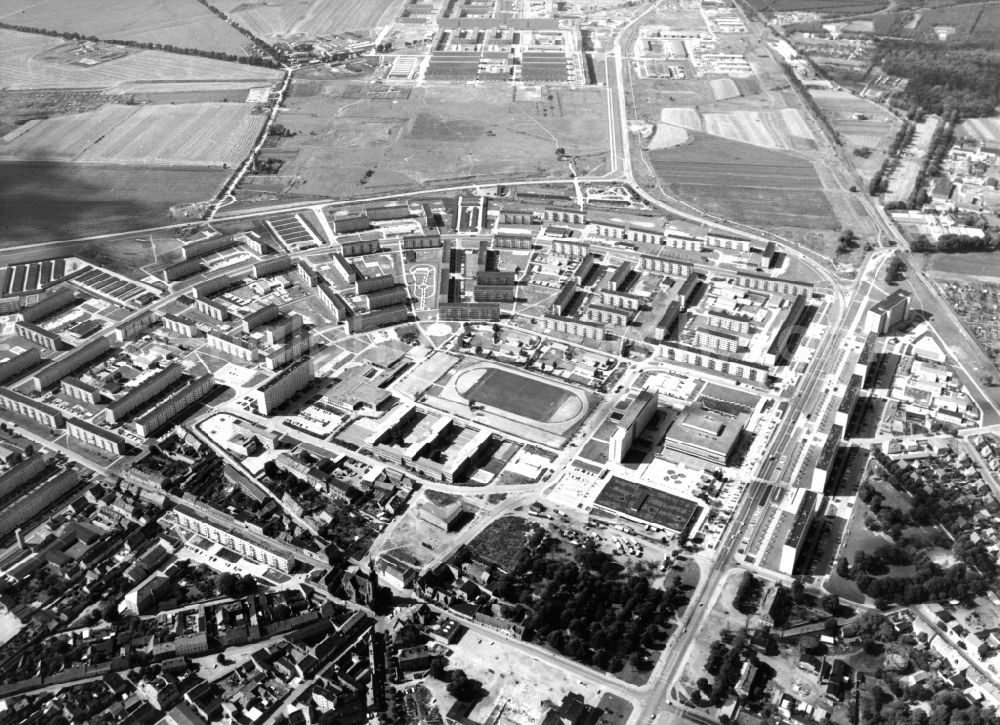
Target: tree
{"x": 226, "y": 584}
{"x": 437, "y": 668}
{"x": 798, "y": 591}
{"x": 831, "y": 603}
{"x": 843, "y": 568}
{"x": 556, "y": 640}
{"x": 460, "y": 687}
{"x": 704, "y": 685}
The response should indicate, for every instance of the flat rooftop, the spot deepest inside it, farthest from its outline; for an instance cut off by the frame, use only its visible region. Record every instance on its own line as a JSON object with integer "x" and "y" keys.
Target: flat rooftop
{"x": 803, "y": 515}
{"x": 644, "y": 503}
{"x": 699, "y": 427}
{"x": 896, "y": 298}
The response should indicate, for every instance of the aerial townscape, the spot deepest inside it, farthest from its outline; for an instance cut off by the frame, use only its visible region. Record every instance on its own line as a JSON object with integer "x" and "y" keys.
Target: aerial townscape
{"x": 499, "y": 362}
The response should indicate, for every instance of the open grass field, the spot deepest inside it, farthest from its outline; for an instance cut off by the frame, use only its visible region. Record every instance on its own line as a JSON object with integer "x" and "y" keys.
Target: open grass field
{"x": 21, "y": 69}
{"x": 49, "y": 201}
{"x": 183, "y": 23}
{"x": 310, "y": 18}
{"x": 517, "y": 394}
{"x": 196, "y": 134}
{"x": 347, "y": 147}
{"x": 975, "y": 265}
{"x": 745, "y": 183}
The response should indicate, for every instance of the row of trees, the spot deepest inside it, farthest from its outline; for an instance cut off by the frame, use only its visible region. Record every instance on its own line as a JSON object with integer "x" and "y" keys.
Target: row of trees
{"x": 957, "y": 243}
{"x": 258, "y": 60}
{"x": 260, "y": 46}
{"x": 879, "y": 183}
{"x": 941, "y": 141}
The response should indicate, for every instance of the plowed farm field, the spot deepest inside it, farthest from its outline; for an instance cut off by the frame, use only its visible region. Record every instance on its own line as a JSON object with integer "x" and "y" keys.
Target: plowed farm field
{"x": 21, "y": 68}
{"x": 56, "y": 201}
{"x": 182, "y": 23}
{"x": 745, "y": 183}
{"x": 195, "y": 134}
{"x": 310, "y": 18}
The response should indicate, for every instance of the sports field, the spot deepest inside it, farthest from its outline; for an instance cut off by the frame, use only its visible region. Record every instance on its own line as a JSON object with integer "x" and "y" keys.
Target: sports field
{"x": 310, "y": 18}
{"x": 20, "y": 68}
{"x": 51, "y": 201}
{"x": 182, "y": 23}
{"x": 195, "y": 134}
{"x": 517, "y": 394}
{"x": 745, "y": 183}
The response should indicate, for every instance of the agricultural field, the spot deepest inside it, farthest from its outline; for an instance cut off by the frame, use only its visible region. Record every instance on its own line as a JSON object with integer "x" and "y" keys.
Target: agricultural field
{"x": 666, "y": 136}
{"x": 748, "y": 184}
{"x": 983, "y": 129}
{"x": 837, "y": 7}
{"x": 20, "y": 68}
{"x": 309, "y": 18}
{"x": 976, "y": 22}
{"x": 784, "y": 129}
{"x": 207, "y": 134}
{"x": 50, "y": 201}
{"x": 182, "y": 23}
{"x": 437, "y": 133}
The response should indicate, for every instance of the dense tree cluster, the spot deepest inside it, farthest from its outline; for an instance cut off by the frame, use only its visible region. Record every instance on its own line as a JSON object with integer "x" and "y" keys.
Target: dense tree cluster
{"x": 586, "y": 608}
{"x": 893, "y": 268}
{"x": 948, "y": 706}
{"x": 943, "y": 78}
{"x": 724, "y": 663}
{"x": 748, "y": 594}
{"x": 957, "y": 243}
